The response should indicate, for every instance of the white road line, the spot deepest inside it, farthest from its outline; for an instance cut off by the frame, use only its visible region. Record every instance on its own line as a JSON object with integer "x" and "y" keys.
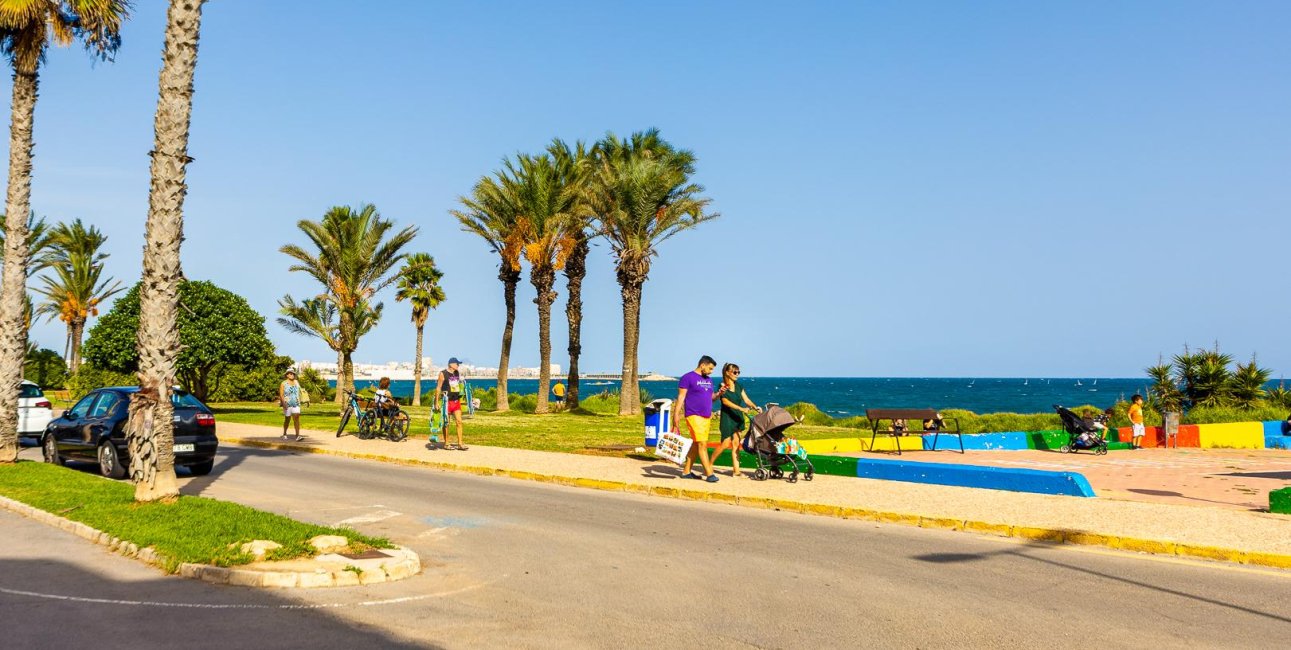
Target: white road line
{"x": 372, "y": 517}
{"x": 151, "y": 603}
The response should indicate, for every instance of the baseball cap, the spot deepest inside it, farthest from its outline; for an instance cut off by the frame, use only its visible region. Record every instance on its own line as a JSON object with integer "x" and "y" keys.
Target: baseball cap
{"x": 454, "y": 360}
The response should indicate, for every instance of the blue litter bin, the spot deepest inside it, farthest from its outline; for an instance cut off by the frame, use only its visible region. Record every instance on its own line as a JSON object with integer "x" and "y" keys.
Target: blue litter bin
{"x": 658, "y": 419}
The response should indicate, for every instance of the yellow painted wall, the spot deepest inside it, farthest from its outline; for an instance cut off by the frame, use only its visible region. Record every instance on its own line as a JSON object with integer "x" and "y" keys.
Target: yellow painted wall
{"x": 849, "y": 445}
{"x": 1236, "y": 435}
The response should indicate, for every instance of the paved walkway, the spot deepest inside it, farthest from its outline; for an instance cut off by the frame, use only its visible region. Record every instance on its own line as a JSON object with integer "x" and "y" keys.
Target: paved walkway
{"x": 1224, "y": 533}
{"x": 1226, "y": 478}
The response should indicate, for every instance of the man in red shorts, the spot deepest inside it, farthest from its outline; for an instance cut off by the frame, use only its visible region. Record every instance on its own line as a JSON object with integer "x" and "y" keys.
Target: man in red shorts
{"x": 449, "y": 387}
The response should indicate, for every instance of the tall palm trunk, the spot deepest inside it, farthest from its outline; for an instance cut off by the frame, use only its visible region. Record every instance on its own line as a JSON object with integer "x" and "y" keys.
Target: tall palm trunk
{"x": 76, "y": 332}
{"x": 543, "y": 278}
{"x": 632, "y": 274}
{"x": 347, "y": 356}
{"x": 13, "y": 290}
{"x": 575, "y": 271}
{"x": 340, "y": 377}
{"x": 509, "y": 280}
{"x": 347, "y": 336}
{"x": 151, "y": 436}
{"x": 416, "y": 369}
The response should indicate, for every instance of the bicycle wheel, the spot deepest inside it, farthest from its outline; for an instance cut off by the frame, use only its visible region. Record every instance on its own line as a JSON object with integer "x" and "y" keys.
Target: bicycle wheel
{"x": 367, "y": 422}
{"x": 399, "y": 427}
{"x": 345, "y": 419}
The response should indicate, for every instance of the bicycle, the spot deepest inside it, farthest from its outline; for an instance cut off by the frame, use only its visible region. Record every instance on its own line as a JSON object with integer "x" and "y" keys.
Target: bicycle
{"x": 373, "y": 424}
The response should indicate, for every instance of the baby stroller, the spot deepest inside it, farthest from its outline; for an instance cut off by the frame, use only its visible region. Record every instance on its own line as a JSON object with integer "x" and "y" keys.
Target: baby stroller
{"x": 766, "y": 430}
{"x": 1083, "y": 433}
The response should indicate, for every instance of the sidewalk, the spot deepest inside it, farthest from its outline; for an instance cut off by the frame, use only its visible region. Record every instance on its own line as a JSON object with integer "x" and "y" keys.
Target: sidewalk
{"x": 1170, "y": 529}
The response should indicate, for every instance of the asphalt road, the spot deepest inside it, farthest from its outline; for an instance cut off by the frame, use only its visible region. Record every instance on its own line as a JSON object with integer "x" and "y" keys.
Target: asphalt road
{"x": 522, "y": 564}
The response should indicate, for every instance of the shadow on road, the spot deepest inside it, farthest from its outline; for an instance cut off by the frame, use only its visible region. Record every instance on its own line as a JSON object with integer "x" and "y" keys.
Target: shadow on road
{"x": 953, "y": 558}
{"x": 58, "y": 604}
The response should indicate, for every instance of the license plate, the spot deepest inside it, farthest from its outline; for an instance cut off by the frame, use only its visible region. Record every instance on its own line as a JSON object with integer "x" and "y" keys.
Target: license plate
{"x": 183, "y": 448}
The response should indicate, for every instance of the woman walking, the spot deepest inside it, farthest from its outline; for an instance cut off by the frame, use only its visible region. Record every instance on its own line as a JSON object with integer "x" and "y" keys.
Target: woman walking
{"x": 732, "y": 423}
{"x": 289, "y": 399}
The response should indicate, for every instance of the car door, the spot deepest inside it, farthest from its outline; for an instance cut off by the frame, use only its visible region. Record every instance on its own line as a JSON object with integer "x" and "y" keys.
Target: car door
{"x": 101, "y": 418}
{"x": 68, "y": 428}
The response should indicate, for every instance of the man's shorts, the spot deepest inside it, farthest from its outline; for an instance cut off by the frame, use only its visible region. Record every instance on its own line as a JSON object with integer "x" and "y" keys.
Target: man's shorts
{"x": 288, "y": 411}
{"x": 699, "y": 426}
{"x": 454, "y": 406}
{"x": 1138, "y": 430}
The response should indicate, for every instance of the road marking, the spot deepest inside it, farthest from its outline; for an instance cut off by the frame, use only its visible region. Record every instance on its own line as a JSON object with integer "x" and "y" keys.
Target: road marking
{"x": 152, "y": 603}
{"x": 372, "y": 517}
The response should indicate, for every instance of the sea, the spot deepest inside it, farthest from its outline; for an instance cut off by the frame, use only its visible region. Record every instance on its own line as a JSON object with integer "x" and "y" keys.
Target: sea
{"x": 847, "y": 396}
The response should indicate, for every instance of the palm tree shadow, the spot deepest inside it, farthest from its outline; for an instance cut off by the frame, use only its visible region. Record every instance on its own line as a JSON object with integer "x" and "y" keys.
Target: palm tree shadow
{"x": 954, "y": 558}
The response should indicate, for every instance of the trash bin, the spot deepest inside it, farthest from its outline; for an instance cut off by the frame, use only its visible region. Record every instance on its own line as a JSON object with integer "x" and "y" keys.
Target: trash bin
{"x": 1169, "y": 428}
{"x": 658, "y": 419}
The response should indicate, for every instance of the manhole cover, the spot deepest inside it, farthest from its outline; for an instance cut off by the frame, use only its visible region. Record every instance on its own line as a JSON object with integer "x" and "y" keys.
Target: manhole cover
{"x": 370, "y": 554}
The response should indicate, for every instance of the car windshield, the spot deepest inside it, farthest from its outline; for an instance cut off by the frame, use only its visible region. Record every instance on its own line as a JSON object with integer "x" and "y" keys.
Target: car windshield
{"x": 181, "y": 399}
{"x": 31, "y": 390}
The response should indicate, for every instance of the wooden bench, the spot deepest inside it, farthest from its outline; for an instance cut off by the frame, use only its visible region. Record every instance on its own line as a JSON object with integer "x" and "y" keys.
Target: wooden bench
{"x": 912, "y": 417}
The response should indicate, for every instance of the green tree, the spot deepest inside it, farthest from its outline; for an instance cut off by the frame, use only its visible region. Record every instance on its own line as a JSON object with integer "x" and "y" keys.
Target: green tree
{"x": 419, "y": 285}
{"x": 76, "y": 289}
{"x": 491, "y": 213}
{"x": 45, "y": 367}
{"x": 27, "y": 27}
{"x": 547, "y": 200}
{"x": 216, "y": 328}
{"x": 575, "y": 162}
{"x": 642, "y": 196}
{"x": 1246, "y": 387}
{"x": 355, "y": 251}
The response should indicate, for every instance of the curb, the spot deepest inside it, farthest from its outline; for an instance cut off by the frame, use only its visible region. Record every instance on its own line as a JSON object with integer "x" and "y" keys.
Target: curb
{"x": 405, "y": 565}
{"x": 1052, "y": 535}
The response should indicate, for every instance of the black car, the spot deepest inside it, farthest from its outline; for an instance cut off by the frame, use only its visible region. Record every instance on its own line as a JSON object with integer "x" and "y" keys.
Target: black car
{"x": 94, "y": 430}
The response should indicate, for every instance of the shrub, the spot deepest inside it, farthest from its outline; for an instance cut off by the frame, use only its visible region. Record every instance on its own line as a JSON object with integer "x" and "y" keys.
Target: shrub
{"x": 90, "y": 377}
{"x": 317, "y": 387}
{"x": 809, "y": 414}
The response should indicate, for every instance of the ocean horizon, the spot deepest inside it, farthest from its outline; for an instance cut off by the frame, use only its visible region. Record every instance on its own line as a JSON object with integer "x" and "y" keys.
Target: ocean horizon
{"x": 849, "y": 396}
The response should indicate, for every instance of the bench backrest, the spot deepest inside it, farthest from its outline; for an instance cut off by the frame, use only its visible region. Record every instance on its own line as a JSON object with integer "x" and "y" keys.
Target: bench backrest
{"x": 904, "y": 414}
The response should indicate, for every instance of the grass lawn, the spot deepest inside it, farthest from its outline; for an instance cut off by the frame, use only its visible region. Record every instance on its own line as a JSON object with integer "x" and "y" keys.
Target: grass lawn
{"x": 583, "y": 432}
{"x": 192, "y": 529}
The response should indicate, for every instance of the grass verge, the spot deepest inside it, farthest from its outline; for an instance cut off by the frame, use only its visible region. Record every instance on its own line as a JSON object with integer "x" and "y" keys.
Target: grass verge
{"x": 192, "y": 529}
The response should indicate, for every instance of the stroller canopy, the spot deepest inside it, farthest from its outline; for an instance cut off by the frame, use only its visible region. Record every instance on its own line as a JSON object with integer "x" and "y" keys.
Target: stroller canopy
{"x": 771, "y": 422}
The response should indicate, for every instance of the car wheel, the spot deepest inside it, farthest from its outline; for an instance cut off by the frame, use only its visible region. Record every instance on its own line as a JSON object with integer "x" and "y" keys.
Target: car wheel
{"x": 109, "y": 462}
{"x": 202, "y": 469}
{"x": 49, "y": 448}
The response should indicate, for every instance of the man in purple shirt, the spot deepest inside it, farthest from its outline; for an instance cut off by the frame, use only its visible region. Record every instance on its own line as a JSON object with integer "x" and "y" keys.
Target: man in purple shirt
{"x": 695, "y": 399}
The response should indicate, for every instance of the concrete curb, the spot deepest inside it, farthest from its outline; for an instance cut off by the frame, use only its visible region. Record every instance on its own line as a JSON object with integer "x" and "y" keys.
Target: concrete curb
{"x": 1053, "y": 535}
{"x": 404, "y": 564}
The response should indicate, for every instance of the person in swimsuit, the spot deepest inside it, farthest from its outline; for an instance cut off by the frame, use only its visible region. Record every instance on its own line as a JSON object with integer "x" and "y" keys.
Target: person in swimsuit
{"x": 449, "y": 387}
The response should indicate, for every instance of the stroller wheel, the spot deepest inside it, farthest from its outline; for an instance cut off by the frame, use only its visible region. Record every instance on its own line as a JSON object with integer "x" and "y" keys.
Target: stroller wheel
{"x": 809, "y": 475}
{"x": 793, "y": 478}
{"x": 1100, "y": 450}
{"x": 1066, "y": 449}
{"x": 760, "y": 475}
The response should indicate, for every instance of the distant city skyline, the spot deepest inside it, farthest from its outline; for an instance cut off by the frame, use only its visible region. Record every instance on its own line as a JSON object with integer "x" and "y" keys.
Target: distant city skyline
{"x": 907, "y": 189}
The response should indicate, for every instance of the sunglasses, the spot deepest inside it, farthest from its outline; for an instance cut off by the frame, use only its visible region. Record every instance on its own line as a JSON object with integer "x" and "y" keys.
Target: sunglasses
{"x": 735, "y": 372}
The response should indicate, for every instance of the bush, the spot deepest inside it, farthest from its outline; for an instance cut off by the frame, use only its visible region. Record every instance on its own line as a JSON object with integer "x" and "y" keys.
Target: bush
{"x": 317, "y": 387}
{"x": 89, "y": 377}
{"x": 809, "y": 414}
{"x": 257, "y": 384}
{"x": 46, "y": 368}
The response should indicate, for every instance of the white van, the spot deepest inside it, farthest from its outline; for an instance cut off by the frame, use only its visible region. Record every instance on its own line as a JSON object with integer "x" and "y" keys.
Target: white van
{"x": 34, "y": 412}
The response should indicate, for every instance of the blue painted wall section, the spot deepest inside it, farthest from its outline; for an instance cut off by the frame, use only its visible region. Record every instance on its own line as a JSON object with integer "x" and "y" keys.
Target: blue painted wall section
{"x": 1009, "y": 440}
{"x": 1277, "y": 435}
{"x": 976, "y": 476}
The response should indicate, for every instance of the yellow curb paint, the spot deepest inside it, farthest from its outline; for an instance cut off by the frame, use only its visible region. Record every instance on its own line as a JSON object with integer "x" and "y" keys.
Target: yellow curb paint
{"x": 597, "y": 484}
{"x": 1209, "y": 552}
{"x": 1038, "y": 534}
{"x": 1086, "y": 539}
{"x": 665, "y": 491}
{"x": 639, "y": 488}
{"x": 857, "y": 513}
{"x": 1144, "y": 545}
{"x": 1001, "y": 530}
{"x": 693, "y": 495}
{"x": 897, "y": 518}
{"x": 1267, "y": 559}
{"x": 722, "y": 497}
{"x": 941, "y": 522}
{"x": 821, "y": 509}
{"x": 755, "y": 502}
{"x": 788, "y": 506}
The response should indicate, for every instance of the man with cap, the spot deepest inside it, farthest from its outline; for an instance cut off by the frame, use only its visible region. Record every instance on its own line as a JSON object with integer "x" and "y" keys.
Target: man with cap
{"x": 449, "y": 387}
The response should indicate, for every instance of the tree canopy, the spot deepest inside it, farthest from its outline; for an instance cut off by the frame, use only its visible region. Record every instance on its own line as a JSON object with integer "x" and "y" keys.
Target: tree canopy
{"x": 216, "y": 327}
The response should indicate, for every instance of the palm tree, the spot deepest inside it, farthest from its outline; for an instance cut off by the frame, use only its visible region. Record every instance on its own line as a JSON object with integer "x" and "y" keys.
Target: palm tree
{"x": 74, "y": 294}
{"x": 76, "y": 290}
{"x": 642, "y": 196}
{"x": 419, "y": 285}
{"x": 149, "y": 431}
{"x": 353, "y": 261}
{"x": 38, "y": 243}
{"x": 547, "y": 200}
{"x": 27, "y": 27}
{"x": 491, "y": 213}
{"x": 575, "y": 162}
{"x": 318, "y": 318}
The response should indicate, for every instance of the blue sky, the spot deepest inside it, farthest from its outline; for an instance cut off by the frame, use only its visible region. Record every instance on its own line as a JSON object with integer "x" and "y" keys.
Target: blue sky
{"x": 927, "y": 189}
